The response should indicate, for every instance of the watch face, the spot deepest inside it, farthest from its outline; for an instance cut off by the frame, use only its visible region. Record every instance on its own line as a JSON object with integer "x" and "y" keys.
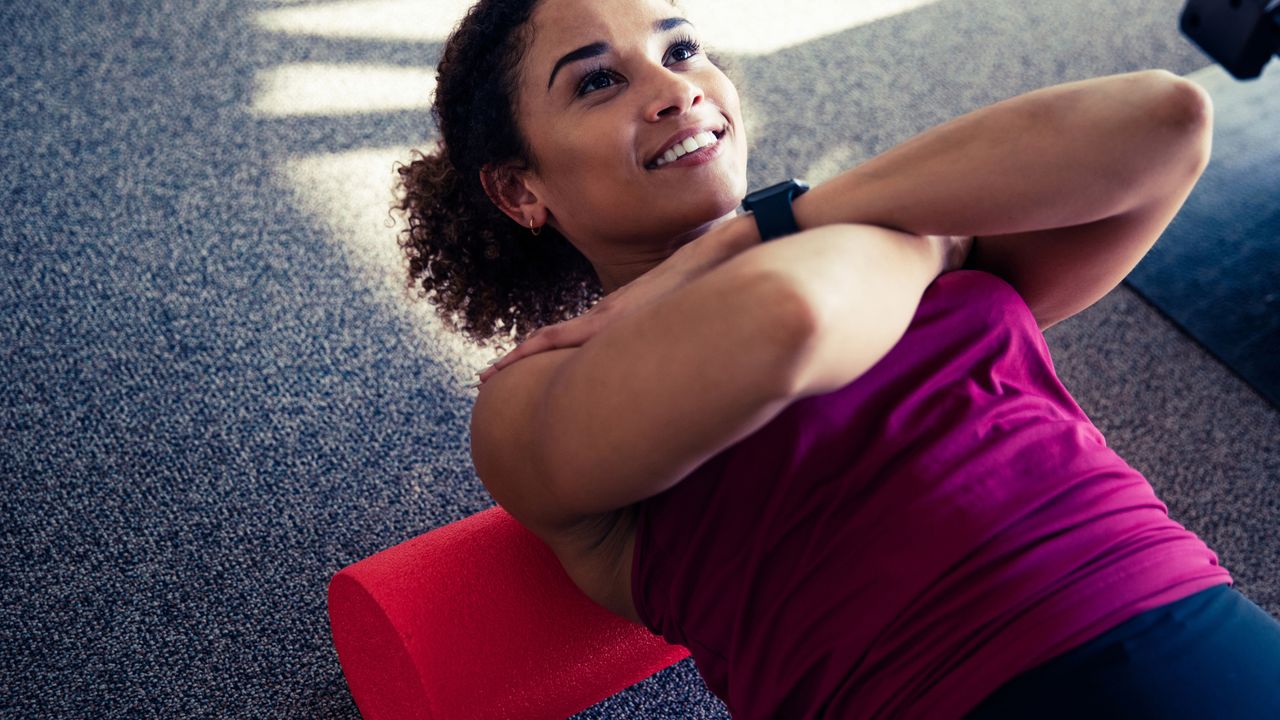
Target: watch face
{"x": 777, "y": 189}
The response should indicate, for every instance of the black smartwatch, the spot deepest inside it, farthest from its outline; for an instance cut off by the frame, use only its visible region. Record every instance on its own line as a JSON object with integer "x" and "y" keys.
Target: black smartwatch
{"x": 772, "y": 208}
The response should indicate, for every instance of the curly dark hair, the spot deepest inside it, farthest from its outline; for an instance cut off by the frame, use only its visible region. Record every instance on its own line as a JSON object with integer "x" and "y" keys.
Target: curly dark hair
{"x": 469, "y": 258}
{"x": 487, "y": 277}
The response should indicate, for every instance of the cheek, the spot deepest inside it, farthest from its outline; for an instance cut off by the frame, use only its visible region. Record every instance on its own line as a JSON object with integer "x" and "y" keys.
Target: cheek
{"x": 591, "y": 171}
{"x": 726, "y": 96}
{"x": 576, "y": 162}
{"x": 590, "y": 145}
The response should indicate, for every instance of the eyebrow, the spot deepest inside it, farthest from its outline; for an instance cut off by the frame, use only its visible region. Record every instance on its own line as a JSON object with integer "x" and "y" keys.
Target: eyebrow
{"x": 600, "y": 48}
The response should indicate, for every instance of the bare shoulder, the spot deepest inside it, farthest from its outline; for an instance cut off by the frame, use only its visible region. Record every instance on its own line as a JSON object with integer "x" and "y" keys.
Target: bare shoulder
{"x": 593, "y": 549}
{"x": 504, "y": 443}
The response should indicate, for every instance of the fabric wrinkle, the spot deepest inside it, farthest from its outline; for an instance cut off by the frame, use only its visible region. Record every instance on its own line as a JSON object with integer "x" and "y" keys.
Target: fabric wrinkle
{"x": 905, "y": 544}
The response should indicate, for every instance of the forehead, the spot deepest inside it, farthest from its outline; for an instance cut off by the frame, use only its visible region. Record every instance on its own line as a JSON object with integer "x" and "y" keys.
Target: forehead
{"x": 563, "y": 25}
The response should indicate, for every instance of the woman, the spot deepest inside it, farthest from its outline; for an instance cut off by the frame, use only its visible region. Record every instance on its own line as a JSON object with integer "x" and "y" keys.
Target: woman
{"x": 838, "y": 465}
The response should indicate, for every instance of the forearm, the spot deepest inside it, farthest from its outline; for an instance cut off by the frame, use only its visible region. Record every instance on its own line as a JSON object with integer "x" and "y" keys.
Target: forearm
{"x": 862, "y": 286}
{"x": 1058, "y": 156}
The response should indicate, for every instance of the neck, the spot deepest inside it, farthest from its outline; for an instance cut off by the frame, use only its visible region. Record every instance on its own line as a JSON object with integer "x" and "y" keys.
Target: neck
{"x": 618, "y": 273}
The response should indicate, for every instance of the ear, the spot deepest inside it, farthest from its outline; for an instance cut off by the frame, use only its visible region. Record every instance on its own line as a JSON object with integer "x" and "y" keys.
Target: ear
{"x": 507, "y": 187}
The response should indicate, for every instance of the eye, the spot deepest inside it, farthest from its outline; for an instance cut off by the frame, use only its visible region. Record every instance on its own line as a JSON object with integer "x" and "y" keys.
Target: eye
{"x": 687, "y": 45}
{"x": 593, "y": 75}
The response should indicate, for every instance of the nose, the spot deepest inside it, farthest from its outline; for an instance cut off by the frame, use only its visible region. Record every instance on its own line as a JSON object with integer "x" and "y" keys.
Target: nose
{"x": 674, "y": 94}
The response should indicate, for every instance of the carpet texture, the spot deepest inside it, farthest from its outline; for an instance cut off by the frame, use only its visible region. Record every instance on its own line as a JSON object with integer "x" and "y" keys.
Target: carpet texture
{"x": 214, "y": 394}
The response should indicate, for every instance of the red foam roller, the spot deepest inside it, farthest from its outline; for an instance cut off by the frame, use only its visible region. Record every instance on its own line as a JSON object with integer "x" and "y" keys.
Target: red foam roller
{"x": 477, "y": 619}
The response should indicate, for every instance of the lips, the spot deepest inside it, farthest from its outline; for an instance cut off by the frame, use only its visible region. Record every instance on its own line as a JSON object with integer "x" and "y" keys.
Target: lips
{"x": 717, "y": 130}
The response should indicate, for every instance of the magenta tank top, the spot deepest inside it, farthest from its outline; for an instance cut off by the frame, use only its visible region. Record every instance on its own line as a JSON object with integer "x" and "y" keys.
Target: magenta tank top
{"x": 903, "y": 546}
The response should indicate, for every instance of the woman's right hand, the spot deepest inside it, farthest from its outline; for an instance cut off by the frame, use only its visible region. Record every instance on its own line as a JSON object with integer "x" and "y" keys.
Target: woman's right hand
{"x": 577, "y": 331}
{"x": 681, "y": 267}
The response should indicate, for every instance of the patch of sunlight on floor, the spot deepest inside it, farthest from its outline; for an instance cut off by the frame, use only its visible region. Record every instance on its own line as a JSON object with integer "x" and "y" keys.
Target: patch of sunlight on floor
{"x": 757, "y": 27}
{"x": 411, "y": 20}
{"x": 349, "y": 193}
{"x": 324, "y": 89}
{"x": 741, "y": 27}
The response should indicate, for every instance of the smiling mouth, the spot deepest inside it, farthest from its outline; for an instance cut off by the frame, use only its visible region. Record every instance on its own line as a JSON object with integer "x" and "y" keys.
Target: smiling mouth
{"x": 666, "y": 158}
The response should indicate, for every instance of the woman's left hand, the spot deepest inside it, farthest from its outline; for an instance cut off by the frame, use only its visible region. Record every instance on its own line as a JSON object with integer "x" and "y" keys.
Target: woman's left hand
{"x": 955, "y": 250}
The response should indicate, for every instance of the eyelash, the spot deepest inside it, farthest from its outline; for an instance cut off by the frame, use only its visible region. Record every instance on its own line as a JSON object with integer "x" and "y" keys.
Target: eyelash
{"x": 689, "y": 44}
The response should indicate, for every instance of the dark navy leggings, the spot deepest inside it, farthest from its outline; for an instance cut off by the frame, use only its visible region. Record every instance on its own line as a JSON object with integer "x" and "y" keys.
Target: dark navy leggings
{"x": 1214, "y": 654}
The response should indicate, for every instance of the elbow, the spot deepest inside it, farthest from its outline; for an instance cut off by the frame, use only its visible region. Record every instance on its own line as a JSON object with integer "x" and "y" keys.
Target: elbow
{"x": 1185, "y": 101}
{"x": 798, "y": 312}
{"x": 1197, "y": 108}
{"x": 1168, "y": 138}
{"x": 1187, "y": 107}
{"x": 793, "y": 329}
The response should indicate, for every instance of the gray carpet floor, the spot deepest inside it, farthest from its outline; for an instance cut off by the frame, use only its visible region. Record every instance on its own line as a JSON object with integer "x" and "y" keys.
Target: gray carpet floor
{"x": 213, "y": 397}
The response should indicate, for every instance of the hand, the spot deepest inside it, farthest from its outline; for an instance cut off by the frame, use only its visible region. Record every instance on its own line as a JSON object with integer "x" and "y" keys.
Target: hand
{"x": 685, "y": 264}
{"x": 954, "y": 250}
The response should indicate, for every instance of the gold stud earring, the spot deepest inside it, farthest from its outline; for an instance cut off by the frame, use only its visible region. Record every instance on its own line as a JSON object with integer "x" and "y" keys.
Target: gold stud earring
{"x": 535, "y": 232}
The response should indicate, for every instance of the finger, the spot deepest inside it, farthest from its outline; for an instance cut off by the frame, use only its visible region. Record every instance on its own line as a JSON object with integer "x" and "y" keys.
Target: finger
{"x": 494, "y": 366}
{"x": 569, "y": 333}
{"x": 529, "y": 347}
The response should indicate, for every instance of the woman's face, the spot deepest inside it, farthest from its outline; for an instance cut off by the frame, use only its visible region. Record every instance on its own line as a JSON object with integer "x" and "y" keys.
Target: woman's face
{"x": 606, "y": 87}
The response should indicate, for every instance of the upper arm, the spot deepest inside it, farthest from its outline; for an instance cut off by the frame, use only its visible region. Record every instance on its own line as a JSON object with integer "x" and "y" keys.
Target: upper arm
{"x": 1074, "y": 267}
{"x": 563, "y": 435}
{"x": 504, "y": 443}
{"x": 1061, "y": 271}
{"x": 1106, "y": 252}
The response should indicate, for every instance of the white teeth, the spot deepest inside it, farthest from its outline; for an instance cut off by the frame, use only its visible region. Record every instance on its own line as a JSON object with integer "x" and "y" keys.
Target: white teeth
{"x": 686, "y": 146}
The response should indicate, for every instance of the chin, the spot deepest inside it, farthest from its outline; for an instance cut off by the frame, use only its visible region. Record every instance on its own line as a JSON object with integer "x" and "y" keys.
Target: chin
{"x": 714, "y": 207}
